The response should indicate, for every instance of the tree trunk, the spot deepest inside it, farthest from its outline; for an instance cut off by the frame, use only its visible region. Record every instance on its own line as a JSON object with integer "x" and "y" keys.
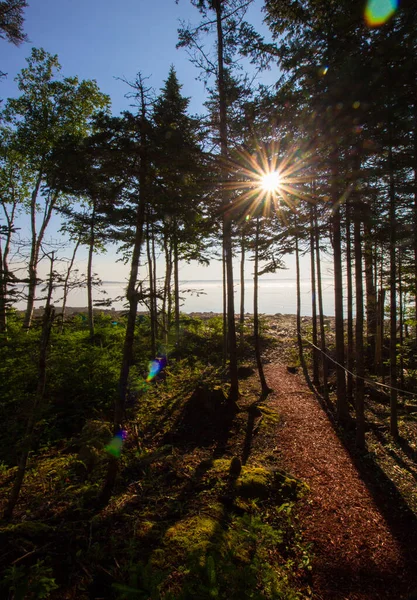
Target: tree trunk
{"x": 166, "y": 304}
{"x": 39, "y": 396}
{"x": 316, "y": 379}
{"x": 227, "y": 219}
{"x": 3, "y": 292}
{"x": 132, "y": 297}
{"x": 371, "y": 304}
{"x": 342, "y": 406}
{"x": 155, "y": 284}
{"x": 36, "y": 241}
{"x": 298, "y": 284}
{"x": 5, "y": 275}
{"x": 359, "y": 349}
{"x": 321, "y": 312}
{"x": 151, "y": 289}
{"x": 242, "y": 285}
{"x": 393, "y": 295}
{"x": 224, "y": 279}
{"x": 401, "y": 315}
{"x": 350, "y": 360}
{"x": 176, "y": 286}
{"x": 66, "y": 283}
{"x": 264, "y": 385}
{"x": 90, "y": 272}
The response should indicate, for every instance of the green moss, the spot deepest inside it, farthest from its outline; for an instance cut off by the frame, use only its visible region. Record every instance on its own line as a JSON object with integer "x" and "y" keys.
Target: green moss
{"x": 221, "y": 465}
{"x": 192, "y": 536}
{"x": 270, "y": 417}
{"x": 258, "y": 482}
{"x": 254, "y": 482}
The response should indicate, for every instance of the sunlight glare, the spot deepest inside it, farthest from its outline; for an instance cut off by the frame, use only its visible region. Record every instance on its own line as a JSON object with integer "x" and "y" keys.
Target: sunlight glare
{"x": 270, "y": 181}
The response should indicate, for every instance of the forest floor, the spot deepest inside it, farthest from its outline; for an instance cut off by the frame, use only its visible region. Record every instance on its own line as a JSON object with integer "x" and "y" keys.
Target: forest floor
{"x": 272, "y": 501}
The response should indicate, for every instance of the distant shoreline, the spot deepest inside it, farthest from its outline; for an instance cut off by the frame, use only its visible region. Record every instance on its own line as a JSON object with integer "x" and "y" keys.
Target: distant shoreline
{"x": 75, "y": 310}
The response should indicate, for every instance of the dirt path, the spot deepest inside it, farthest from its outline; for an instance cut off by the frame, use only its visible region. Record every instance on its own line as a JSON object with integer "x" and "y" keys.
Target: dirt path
{"x": 360, "y": 552}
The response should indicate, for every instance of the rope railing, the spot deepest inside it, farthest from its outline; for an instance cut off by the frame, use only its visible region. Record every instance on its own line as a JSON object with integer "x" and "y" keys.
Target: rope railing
{"x": 369, "y": 381}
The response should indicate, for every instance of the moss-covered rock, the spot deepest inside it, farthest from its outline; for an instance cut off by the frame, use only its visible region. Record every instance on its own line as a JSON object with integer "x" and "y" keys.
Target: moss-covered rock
{"x": 254, "y": 482}
{"x": 259, "y": 482}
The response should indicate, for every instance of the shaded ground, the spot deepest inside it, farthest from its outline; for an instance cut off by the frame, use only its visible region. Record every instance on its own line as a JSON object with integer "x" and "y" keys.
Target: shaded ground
{"x": 199, "y": 480}
{"x": 364, "y": 541}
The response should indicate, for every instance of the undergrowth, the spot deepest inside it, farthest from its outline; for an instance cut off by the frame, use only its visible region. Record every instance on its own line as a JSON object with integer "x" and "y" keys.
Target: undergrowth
{"x": 187, "y": 519}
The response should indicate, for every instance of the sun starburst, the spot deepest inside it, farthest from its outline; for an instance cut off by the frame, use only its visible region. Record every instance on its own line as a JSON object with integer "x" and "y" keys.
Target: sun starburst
{"x": 268, "y": 179}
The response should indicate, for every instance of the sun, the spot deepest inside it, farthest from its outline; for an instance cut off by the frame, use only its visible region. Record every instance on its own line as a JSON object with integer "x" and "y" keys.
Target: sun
{"x": 270, "y": 182}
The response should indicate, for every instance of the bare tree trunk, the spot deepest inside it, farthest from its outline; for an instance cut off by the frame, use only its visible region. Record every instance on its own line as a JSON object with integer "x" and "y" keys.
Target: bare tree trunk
{"x": 225, "y": 337}
{"x": 176, "y": 285}
{"x": 91, "y": 245}
{"x": 298, "y": 284}
{"x": 342, "y": 406}
{"x": 316, "y": 378}
{"x": 359, "y": 349}
{"x": 393, "y": 295}
{"x": 5, "y": 275}
{"x": 166, "y": 304}
{"x": 264, "y": 385}
{"x": 227, "y": 219}
{"x": 155, "y": 284}
{"x": 66, "y": 282}
{"x": 151, "y": 288}
{"x": 350, "y": 360}
{"x": 39, "y": 396}
{"x": 36, "y": 241}
{"x": 401, "y": 315}
{"x": 242, "y": 285}
{"x": 371, "y": 303}
{"x": 321, "y": 312}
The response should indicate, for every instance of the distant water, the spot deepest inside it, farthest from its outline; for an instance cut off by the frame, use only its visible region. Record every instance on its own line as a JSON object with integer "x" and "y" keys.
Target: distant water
{"x": 275, "y": 296}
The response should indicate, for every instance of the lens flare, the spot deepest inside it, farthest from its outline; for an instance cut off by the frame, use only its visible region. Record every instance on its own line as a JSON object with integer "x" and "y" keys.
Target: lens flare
{"x": 114, "y": 447}
{"x": 155, "y": 367}
{"x": 378, "y": 12}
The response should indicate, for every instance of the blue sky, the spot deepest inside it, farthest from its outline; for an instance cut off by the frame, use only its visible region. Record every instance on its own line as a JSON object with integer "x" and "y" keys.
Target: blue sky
{"x": 103, "y": 40}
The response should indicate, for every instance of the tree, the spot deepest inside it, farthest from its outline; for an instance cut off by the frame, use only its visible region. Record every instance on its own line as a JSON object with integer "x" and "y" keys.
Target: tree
{"x": 47, "y": 110}
{"x": 227, "y": 23}
{"x": 139, "y": 127}
{"x": 179, "y": 184}
{"x": 15, "y": 180}
{"x": 11, "y": 21}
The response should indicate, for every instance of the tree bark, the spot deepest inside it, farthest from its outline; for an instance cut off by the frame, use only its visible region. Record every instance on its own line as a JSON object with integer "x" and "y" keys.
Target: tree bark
{"x": 176, "y": 285}
{"x": 350, "y": 341}
{"x": 5, "y": 274}
{"x": 342, "y": 406}
{"x": 371, "y": 303}
{"x": 90, "y": 272}
{"x": 264, "y": 385}
{"x": 298, "y": 309}
{"x": 393, "y": 295}
{"x": 316, "y": 378}
{"x": 227, "y": 218}
{"x": 321, "y": 312}
{"x": 151, "y": 288}
{"x": 242, "y": 285}
{"x": 359, "y": 347}
{"x": 66, "y": 283}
